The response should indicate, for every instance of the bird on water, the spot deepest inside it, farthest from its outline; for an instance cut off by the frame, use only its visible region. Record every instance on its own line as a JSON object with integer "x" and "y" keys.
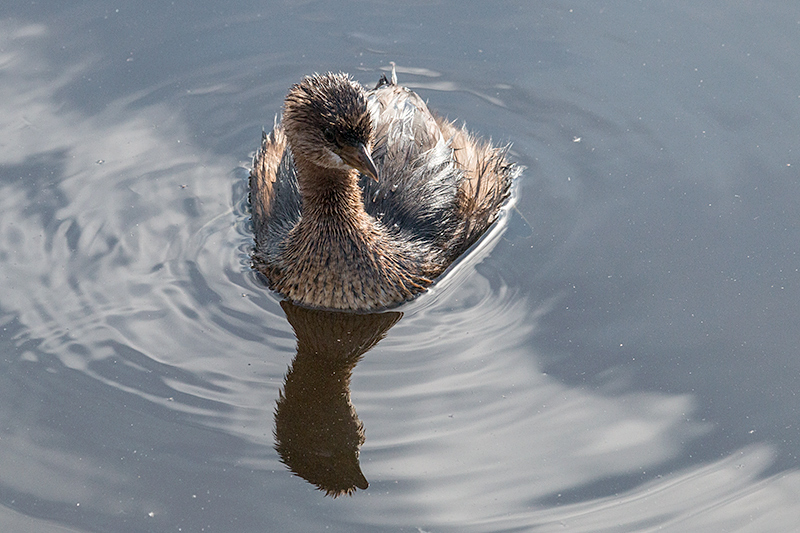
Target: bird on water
{"x": 360, "y": 199}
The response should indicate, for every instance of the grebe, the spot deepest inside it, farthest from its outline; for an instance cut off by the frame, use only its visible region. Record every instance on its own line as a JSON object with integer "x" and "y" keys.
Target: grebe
{"x": 360, "y": 199}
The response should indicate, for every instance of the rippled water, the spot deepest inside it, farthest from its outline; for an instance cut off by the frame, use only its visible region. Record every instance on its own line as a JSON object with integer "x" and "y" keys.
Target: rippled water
{"x": 619, "y": 354}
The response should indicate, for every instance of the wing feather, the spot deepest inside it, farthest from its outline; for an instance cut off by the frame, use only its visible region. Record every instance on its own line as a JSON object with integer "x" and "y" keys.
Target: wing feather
{"x": 274, "y": 195}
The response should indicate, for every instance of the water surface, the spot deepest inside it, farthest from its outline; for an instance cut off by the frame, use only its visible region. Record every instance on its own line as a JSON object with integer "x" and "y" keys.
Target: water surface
{"x": 619, "y": 355}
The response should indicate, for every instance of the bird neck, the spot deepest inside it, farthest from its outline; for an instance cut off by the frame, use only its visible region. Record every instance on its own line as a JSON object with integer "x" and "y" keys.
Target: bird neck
{"x": 330, "y": 194}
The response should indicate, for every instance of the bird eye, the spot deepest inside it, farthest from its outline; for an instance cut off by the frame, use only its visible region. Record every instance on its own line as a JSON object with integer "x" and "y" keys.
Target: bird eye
{"x": 329, "y": 135}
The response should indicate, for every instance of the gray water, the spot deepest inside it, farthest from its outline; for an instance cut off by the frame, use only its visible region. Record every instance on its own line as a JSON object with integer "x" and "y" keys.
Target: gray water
{"x": 620, "y": 354}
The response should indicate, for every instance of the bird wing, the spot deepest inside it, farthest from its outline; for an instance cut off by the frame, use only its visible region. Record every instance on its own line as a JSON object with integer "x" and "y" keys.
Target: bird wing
{"x": 274, "y": 195}
{"x": 486, "y": 184}
{"x": 418, "y": 179}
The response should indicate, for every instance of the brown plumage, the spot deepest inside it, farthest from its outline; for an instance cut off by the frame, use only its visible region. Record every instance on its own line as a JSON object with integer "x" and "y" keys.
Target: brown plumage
{"x": 362, "y": 198}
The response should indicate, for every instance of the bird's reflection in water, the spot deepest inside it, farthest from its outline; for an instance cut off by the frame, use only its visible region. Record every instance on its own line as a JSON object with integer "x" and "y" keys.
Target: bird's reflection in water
{"x": 317, "y": 431}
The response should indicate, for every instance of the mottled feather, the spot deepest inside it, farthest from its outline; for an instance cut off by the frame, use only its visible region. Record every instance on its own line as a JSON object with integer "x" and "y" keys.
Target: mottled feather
{"x": 438, "y": 189}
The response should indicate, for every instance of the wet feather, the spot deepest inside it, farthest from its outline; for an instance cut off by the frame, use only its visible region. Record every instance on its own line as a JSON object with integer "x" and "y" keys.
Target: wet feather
{"x": 327, "y": 236}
